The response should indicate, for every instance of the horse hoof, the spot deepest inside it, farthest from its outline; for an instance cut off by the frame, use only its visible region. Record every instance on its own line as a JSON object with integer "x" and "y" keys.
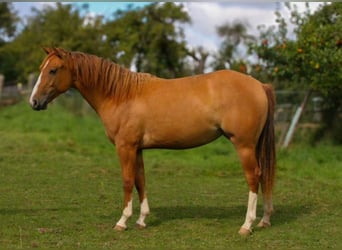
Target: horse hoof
{"x": 263, "y": 224}
{"x": 139, "y": 226}
{"x": 244, "y": 232}
{"x": 119, "y": 228}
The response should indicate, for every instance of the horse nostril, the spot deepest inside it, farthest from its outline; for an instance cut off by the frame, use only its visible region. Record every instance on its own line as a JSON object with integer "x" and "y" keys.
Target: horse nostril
{"x": 35, "y": 104}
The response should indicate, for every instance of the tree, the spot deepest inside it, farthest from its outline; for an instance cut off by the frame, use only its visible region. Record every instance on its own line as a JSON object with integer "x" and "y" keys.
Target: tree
{"x": 310, "y": 60}
{"x": 8, "y": 20}
{"x": 150, "y": 38}
{"x": 235, "y": 36}
{"x": 315, "y": 53}
{"x": 23, "y": 55}
{"x": 200, "y": 56}
{"x": 320, "y": 50}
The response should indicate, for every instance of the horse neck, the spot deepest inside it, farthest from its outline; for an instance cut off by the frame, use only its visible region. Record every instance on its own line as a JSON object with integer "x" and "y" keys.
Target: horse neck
{"x": 99, "y": 80}
{"x": 94, "y": 98}
{"x": 120, "y": 91}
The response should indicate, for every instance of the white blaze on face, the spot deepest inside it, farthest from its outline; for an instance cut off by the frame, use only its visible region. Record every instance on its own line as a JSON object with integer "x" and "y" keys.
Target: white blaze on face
{"x": 36, "y": 86}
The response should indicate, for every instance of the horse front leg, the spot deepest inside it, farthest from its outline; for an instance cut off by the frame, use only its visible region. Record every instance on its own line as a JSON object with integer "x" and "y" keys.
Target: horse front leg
{"x": 140, "y": 186}
{"x": 128, "y": 157}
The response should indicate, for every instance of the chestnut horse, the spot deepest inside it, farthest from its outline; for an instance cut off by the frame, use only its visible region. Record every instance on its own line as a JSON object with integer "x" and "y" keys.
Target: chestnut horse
{"x": 141, "y": 111}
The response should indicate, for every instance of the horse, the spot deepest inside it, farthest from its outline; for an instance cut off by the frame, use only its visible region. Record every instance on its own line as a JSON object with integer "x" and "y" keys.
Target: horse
{"x": 142, "y": 111}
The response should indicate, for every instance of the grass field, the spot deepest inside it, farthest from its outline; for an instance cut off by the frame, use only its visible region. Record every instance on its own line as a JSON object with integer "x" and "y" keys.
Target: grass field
{"x": 60, "y": 187}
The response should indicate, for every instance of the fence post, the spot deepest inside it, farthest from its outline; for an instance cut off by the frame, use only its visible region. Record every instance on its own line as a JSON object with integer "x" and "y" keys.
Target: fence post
{"x": 295, "y": 120}
{"x": 30, "y": 81}
{"x": 2, "y": 82}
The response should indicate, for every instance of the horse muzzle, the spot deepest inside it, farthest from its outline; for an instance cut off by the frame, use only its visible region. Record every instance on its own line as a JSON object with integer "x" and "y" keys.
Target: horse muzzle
{"x": 38, "y": 105}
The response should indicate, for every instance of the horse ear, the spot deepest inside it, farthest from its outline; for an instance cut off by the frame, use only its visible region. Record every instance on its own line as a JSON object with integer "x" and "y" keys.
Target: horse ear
{"x": 61, "y": 53}
{"x": 47, "y": 50}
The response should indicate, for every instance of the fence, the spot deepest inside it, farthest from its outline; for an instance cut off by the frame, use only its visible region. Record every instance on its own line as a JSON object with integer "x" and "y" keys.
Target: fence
{"x": 11, "y": 93}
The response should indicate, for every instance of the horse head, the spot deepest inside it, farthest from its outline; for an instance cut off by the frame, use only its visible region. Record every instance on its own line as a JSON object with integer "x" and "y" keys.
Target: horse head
{"x": 55, "y": 78}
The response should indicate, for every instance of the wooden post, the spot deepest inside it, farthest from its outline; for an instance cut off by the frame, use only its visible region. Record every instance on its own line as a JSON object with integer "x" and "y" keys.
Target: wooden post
{"x": 30, "y": 81}
{"x": 295, "y": 121}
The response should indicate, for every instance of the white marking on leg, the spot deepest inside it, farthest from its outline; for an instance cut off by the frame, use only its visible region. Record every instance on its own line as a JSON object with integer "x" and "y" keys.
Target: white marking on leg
{"x": 144, "y": 211}
{"x": 126, "y": 213}
{"x": 251, "y": 211}
{"x": 36, "y": 86}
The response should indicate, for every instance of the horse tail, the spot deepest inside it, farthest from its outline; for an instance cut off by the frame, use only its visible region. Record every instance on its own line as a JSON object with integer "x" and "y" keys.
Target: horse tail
{"x": 265, "y": 149}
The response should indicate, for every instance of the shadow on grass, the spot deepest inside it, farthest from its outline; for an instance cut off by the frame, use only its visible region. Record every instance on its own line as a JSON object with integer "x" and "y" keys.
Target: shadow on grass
{"x": 283, "y": 213}
{"x": 18, "y": 211}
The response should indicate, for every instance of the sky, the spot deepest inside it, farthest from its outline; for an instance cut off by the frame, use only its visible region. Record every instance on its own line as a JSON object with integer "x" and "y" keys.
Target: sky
{"x": 205, "y": 16}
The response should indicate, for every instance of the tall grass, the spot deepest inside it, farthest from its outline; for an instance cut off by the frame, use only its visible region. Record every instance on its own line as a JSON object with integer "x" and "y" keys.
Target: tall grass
{"x": 60, "y": 186}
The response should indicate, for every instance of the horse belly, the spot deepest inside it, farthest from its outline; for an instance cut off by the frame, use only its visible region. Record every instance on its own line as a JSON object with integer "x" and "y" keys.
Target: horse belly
{"x": 180, "y": 135}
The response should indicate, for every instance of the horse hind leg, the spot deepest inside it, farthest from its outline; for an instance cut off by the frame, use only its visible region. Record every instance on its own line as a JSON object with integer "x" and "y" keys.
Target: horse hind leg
{"x": 252, "y": 173}
{"x": 140, "y": 186}
{"x": 268, "y": 210}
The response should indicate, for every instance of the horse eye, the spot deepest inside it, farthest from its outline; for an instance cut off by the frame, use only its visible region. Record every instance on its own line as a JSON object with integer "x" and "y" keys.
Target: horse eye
{"x": 52, "y": 71}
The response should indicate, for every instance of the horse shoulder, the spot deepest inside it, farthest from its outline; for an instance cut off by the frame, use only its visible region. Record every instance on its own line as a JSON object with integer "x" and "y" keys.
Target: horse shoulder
{"x": 122, "y": 122}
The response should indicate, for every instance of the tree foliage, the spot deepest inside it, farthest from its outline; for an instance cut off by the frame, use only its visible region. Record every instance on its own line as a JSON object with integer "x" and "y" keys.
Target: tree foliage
{"x": 150, "y": 38}
{"x": 311, "y": 60}
{"x": 60, "y": 26}
{"x": 8, "y": 21}
{"x": 235, "y": 37}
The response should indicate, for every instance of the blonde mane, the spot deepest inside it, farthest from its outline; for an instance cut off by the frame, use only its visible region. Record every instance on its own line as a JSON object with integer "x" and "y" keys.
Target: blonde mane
{"x": 110, "y": 78}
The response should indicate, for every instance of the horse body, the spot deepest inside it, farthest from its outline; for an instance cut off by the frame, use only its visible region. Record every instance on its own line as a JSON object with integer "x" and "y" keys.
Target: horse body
{"x": 140, "y": 111}
{"x": 199, "y": 110}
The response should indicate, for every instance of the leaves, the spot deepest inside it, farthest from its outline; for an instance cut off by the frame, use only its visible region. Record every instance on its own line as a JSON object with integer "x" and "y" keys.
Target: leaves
{"x": 310, "y": 60}
{"x": 8, "y": 20}
{"x": 234, "y": 35}
{"x": 149, "y": 39}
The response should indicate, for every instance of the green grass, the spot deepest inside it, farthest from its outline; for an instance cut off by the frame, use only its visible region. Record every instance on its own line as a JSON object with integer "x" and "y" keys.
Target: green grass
{"x": 60, "y": 187}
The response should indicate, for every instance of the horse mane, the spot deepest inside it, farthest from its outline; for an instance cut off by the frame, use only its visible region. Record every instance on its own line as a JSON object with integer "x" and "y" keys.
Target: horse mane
{"x": 110, "y": 78}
